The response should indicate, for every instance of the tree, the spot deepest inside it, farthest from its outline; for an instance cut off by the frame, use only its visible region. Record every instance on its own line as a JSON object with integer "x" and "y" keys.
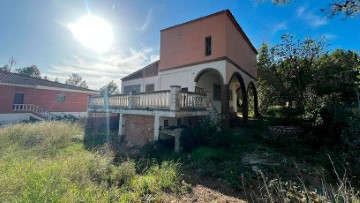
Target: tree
{"x": 348, "y": 8}
{"x": 286, "y": 74}
{"x": 336, "y": 77}
{"x": 8, "y": 67}
{"x": 30, "y": 71}
{"x": 109, "y": 89}
{"x": 357, "y": 84}
{"x": 56, "y": 79}
{"x": 76, "y": 80}
{"x": 5, "y": 68}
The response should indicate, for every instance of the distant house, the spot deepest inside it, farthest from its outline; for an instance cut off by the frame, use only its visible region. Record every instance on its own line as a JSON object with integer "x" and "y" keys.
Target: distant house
{"x": 25, "y": 98}
{"x": 207, "y": 67}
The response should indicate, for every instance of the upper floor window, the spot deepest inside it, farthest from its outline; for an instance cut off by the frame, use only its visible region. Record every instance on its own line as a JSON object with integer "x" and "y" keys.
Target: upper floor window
{"x": 149, "y": 88}
{"x": 131, "y": 88}
{"x": 208, "y": 46}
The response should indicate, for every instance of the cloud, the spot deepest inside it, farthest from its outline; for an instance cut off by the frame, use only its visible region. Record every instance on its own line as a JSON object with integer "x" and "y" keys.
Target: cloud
{"x": 98, "y": 71}
{"x": 310, "y": 17}
{"x": 301, "y": 10}
{"x": 280, "y": 26}
{"x": 329, "y": 36}
{"x": 148, "y": 20}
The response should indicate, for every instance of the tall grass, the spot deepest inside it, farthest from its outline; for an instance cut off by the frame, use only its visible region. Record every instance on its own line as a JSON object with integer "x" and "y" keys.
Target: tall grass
{"x": 47, "y": 162}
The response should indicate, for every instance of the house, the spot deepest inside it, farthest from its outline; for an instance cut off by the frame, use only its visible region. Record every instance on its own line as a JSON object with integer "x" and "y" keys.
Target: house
{"x": 207, "y": 66}
{"x": 27, "y": 98}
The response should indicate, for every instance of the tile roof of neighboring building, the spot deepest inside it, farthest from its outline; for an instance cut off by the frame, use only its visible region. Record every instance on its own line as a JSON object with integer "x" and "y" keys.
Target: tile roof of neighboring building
{"x": 148, "y": 71}
{"x": 17, "y": 79}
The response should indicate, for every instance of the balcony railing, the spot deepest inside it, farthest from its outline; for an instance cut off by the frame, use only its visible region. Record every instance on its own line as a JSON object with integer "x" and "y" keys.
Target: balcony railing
{"x": 33, "y": 108}
{"x": 191, "y": 100}
{"x": 155, "y": 100}
{"x": 173, "y": 99}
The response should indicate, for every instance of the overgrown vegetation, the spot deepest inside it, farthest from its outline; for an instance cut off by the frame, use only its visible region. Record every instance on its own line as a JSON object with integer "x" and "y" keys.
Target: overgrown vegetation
{"x": 261, "y": 169}
{"x": 47, "y": 162}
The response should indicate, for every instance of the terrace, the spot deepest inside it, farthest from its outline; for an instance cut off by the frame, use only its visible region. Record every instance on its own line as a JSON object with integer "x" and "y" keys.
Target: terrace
{"x": 170, "y": 103}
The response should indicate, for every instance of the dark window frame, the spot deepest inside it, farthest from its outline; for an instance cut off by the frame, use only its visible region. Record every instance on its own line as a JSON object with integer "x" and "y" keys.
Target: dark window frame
{"x": 150, "y": 87}
{"x": 208, "y": 43}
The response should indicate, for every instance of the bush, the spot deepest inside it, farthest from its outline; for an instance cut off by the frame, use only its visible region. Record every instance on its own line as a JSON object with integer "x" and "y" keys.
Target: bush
{"x": 122, "y": 173}
{"x": 194, "y": 137}
{"x": 207, "y": 155}
{"x": 351, "y": 138}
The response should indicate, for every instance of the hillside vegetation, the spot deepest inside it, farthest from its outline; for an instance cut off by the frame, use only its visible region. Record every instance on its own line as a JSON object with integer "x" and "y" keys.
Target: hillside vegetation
{"x": 48, "y": 162}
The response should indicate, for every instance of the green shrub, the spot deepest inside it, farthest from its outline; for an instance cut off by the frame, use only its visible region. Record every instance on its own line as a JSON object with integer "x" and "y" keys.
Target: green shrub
{"x": 207, "y": 155}
{"x": 122, "y": 173}
{"x": 201, "y": 134}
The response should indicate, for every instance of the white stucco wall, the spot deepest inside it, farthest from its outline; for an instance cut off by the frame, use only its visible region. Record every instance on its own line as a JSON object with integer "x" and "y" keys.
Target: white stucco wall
{"x": 8, "y": 118}
{"x": 231, "y": 69}
{"x": 185, "y": 77}
{"x": 142, "y": 82}
{"x": 76, "y": 114}
{"x": 207, "y": 82}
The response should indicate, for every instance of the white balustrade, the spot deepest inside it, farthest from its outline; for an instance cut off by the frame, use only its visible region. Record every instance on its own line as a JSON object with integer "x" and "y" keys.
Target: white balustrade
{"x": 191, "y": 100}
{"x": 152, "y": 100}
{"x": 118, "y": 101}
{"x": 33, "y": 108}
{"x": 159, "y": 99}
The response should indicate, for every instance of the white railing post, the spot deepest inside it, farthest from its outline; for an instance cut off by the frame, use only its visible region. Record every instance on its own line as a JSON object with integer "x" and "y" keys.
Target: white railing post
{"x": 175, "y": 97}
{"x": 131, "y": 100}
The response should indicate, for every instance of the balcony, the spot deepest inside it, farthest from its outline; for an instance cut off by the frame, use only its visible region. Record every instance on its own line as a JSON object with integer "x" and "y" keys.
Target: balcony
{"x": 171, "y": 103}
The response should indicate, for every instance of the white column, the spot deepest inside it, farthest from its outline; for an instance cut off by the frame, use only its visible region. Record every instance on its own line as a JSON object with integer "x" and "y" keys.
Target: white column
{"x": 175, "y": 97}
{"x": 156, "y": 127}
{"x": 131, "y": 100}
{"x": 177, "y": 134}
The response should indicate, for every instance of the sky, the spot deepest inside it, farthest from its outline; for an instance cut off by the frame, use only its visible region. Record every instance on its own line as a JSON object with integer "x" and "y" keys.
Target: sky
{"x": 37, "y": 32}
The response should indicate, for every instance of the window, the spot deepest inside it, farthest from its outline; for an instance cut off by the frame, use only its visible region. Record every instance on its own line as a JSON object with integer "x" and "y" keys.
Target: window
{"x": 166, "y": 123}
{"x": 208, "y": 46}
{"x": 199, "y": 90}
{"x": 230, "y": 95}
{"x": 216, "y": 92}
{"x": 149, "y": 88}
{"x": 60, "y": 98}
{"x": 131, "y": 88}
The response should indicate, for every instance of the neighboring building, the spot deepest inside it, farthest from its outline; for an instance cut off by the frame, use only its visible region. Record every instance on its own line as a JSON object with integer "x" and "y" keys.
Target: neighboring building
{"x": 25, "y": 98}
{"x": 207, "y": 66}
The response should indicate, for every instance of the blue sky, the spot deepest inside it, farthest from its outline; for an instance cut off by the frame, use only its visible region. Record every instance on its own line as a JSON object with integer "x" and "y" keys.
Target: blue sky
{"x": 36, "y": 32}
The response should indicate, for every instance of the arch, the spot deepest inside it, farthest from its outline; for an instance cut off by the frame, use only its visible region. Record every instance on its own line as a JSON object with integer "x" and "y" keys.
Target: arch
{"x": 252, "y": 87}
{"x": 244, "y": 105}
{"x": 200, "y": 73}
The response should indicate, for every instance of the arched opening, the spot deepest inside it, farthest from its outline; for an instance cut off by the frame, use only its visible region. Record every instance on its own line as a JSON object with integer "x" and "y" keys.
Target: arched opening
{"x": 238, "y": 99}
{"x": 210, "y": 80}
{"x": 252, "y": 100}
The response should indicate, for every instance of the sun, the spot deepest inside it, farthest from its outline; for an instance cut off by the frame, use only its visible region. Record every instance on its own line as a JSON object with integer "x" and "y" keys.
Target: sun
{"x": 93, "y": 32}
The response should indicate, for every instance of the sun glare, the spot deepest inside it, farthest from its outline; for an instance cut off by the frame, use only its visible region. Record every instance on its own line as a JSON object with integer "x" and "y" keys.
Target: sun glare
{"x": 93, "y": 32}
